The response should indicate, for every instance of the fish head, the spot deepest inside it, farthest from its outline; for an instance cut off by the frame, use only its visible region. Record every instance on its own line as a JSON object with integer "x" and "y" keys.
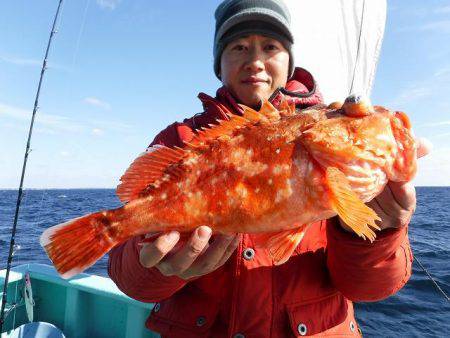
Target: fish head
{"x": 404, "y": 167}
{"x": 377, "y": 146}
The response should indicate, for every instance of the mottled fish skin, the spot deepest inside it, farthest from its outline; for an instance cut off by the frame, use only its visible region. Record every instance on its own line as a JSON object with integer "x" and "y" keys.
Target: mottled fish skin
{"x": 269, "y": 173}
{"x": 270, "y": 177}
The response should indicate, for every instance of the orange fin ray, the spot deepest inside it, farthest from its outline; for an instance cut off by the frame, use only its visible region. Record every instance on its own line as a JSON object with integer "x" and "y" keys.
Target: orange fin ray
{"x": 147, "y": 169}
{"x": 161, "y": 162}
{"x": 226, "y": 128}
{"x": 267, "y": 114}
{"x": 285, "y": 108}
{"x": 77, "y": 244}
{"x": 269, "y": 111}
{"x": 281, "y": 244}
{"x": 357, "y": 215}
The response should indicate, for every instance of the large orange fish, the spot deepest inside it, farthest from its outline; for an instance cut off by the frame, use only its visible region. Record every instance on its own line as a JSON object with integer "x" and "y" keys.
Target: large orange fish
{"x": 271, "y": 172}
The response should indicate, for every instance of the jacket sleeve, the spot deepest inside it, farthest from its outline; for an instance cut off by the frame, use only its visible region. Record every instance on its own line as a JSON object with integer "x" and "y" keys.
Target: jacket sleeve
{"x": 124, "y": 268}
{"x": 364, "y": 271}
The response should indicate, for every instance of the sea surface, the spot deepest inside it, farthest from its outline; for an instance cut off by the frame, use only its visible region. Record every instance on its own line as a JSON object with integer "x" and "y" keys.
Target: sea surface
{"x": 418, "y": 310}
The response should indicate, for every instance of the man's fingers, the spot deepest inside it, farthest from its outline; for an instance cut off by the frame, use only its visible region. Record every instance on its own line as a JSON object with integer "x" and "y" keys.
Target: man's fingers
{"x": 210, "y": 259}
{"x": 229, "y": 251}
{"x": 375, "y": 206}
{"x": 388, "y": 202}
{"x": 184, "y": 258}
{"x": 424, "y": 147}
{"x": 404, "y": 193}
{"x": 153, "y": 252}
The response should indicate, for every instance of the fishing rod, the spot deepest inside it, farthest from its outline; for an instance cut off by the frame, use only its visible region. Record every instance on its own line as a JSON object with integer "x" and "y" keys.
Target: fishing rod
{"x": 27, "y": 152}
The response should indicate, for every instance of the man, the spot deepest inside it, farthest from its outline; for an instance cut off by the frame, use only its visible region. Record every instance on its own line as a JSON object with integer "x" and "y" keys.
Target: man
{"x": 221, "y": 286}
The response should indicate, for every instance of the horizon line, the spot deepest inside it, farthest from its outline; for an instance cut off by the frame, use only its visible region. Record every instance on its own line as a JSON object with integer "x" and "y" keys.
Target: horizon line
{"x": 106, "y": 188}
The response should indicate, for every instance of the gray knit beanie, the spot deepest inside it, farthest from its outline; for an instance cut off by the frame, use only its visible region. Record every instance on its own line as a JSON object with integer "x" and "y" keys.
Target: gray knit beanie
{"x": 238, "y": 18}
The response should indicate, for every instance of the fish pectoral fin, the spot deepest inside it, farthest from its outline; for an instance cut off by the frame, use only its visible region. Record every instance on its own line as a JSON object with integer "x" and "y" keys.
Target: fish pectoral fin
{"x": 281, "y": 244}
{"x": 357, "y": 215}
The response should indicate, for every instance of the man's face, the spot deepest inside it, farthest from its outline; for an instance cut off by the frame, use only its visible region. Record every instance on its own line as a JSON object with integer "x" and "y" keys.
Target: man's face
{"x": 253, "y": 67}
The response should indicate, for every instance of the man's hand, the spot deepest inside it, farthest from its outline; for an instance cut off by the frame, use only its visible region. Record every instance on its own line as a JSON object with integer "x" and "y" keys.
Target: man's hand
{"x": 396, "y": 204}
{"x": 194, "y": 258}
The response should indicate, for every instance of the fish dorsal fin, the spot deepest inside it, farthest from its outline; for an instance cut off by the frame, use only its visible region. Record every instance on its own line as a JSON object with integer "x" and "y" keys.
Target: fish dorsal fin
{"x": 267, "y": 114}
{"x": 285, "y": 108}
{"x": 159, "y": 161}
{"x": 147, "y": 169}
{"x": 358, "y": 216}
{"x": 226, "y": 128}
{"x": 281, "y": 244}
{"x": 269, "y": 111}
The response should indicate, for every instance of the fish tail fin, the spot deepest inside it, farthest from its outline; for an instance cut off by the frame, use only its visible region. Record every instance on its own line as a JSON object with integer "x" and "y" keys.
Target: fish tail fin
{"x": 357, "y": 215}
{"x": 77, "y": 244}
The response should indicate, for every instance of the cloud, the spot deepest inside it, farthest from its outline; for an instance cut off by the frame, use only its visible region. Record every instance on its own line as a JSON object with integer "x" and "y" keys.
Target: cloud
{"x": 433, "y": 169}
{"x": 30, "y": 62}
{"x": 51, "y": 124}
{"x": 108, "y": 4}
{"x": 21, "y": 61}
{"x": 412, "y": 93}
{"x": 442, "y": 72}
{"x": 64, "y": 153}
{"x": 426, "y": 88}
{"x": 97, "y": 132}
{"x": 437, "y": 26}
{"x": 442, "y": 26}
{"x": 93, "y": 101}
{"x": 442, "y": 10}
{"x": 436, "y": 124}
{"x": 111, "y": 125}
{"x": 443, "y": 135}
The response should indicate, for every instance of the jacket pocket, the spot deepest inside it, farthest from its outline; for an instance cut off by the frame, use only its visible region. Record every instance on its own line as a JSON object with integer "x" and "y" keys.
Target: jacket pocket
{"x": 188, "y": 313}
{"x": 317, "y": 316}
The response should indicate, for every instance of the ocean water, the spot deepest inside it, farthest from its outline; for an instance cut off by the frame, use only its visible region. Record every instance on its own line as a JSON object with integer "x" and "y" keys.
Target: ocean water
{"x": 418, "y": 310}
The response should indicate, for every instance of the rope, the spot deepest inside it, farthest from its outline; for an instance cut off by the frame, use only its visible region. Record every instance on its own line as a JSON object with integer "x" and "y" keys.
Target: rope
{"x": 357, "y": 49}
{"x": 80, "y": 32}
{"x": 27, "y": 151}
{"x": 436, "y": 285}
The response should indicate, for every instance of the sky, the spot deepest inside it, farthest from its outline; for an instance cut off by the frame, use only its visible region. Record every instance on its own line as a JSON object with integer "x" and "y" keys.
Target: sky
{"x": 120, "y": 71}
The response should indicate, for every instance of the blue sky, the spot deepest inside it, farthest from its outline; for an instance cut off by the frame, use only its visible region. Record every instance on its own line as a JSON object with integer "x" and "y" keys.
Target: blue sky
{"x": 120, "y": 71}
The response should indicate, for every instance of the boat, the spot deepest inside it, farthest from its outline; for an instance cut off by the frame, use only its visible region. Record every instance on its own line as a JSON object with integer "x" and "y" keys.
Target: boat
{"x": 92, "y": 306}
{"x": 83, "y": 306}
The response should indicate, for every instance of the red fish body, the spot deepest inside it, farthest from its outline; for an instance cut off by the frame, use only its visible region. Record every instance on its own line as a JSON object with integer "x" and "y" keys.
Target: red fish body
{"x": 269, "y": 172}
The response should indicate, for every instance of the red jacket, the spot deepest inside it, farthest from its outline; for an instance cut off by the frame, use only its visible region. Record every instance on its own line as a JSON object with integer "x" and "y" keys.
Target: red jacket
{"x": 311, "y": 294}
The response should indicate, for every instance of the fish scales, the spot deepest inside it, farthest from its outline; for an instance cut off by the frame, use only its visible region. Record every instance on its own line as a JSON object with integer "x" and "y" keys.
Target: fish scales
{"x": 229, "y": 185}
{"x": 270, "y": 173}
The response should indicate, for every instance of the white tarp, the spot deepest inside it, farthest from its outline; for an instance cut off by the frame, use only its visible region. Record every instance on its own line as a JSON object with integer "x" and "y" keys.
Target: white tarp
{"x": 327, "y": 34}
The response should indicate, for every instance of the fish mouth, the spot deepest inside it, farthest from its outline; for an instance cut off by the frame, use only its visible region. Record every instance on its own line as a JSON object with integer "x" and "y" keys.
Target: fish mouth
{"x": 404, "y": 119}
